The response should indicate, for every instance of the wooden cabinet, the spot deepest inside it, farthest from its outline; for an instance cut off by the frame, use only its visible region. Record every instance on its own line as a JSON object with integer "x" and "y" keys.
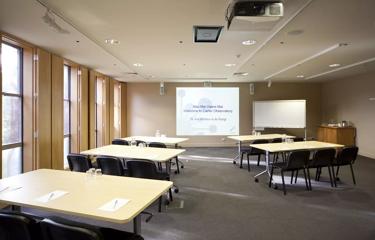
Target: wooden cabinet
{"x": 339, "y": 135}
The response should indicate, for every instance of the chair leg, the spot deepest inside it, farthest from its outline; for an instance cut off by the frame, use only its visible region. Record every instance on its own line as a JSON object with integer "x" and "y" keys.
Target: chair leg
{"x": 170, "y": 195}
{"x": 270, "y": 182}
{"x": 308, "y": 176}
{"x": 333, "y": 176}
{"x": 241, "y": 159}
{"x": 307, "y": 185}
{"x": 291, "y": 178}
{"x": 320, "y": 173}
{"x": 295, "y": 180}
{"x": 177, "y": 165}
{"x": 337, "y": 171}
{"x": 258, "y": 160}
{"x": 351, "y": 168}
{"x": 160, "y": 202}
{"x": 248, "y": 163}
{"x": 282, "y": 178}
{"x": 330, "y": 176}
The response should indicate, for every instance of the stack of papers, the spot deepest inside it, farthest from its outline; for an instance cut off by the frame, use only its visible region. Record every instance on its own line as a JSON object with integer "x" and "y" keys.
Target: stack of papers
{"x": 51, "y": 196}
{"x": 114, "y": 204}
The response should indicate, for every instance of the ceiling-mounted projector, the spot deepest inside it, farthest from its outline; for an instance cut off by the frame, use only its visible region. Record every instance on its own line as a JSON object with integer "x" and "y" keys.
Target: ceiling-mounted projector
{"x": 254, "y": 12}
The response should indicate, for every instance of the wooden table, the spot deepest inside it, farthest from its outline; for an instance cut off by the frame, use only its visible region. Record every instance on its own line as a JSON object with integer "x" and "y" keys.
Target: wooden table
{"x": 123, "y": 151}
{"x": 169, "y": 141}
{"x": 85, "y": 195}
{"x": 249, "y": 138}
{"x": 287, "y": 147}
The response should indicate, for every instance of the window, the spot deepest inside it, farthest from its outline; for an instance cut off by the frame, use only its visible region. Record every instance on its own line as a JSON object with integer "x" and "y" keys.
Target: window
{"x": 12, "y": 145}
{"x": 67, "y": 113}
{"x": 99, "y": 110}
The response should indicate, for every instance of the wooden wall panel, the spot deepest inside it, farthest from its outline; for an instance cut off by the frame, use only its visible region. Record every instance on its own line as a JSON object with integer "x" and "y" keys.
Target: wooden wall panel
{"x": 43, "y": 110}
{"x": 112, "y": 83}
{"x": 91, "y": 103}
{"x": 123, "y": 107}
{"x": 84, "y": 110}
{"x": 57, "y": 110}
{"x": 107, "y": 122}
{"x": 28, "y": 109}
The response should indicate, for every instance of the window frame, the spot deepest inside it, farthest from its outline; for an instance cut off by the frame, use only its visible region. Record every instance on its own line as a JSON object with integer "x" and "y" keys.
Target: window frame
{"x": 20, "y": 96}
{"x": 69, "y": 100}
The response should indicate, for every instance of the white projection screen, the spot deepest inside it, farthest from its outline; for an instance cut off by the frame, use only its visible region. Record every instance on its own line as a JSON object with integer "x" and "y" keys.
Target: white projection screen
{"x": 207, "y": 111}
{"x": 279, "y": 114}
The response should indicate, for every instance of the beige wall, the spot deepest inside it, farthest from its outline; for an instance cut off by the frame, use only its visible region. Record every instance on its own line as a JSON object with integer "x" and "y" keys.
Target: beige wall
{"x": 148, "y": 111}
{"x": 348, "y": 99}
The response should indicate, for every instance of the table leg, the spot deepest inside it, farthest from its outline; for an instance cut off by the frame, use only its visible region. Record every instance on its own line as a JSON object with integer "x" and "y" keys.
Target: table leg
{"x": 239, "y": 153}
{"x": 137, "y": 224}
{"x": 267, "y": 168}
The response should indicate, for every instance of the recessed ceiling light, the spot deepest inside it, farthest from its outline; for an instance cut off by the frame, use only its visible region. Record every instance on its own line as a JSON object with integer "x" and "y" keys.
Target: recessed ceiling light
{"x": 334, "y": 65}
{"x": 137, "y": 64}
{"x": 112, "y": 41}
{"x": 230, "y": 64}
{"x": 249, "y": 42}
{"x": 300, "y": 76}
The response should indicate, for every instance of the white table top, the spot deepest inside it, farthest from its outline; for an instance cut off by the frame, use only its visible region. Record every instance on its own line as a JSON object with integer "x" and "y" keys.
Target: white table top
{"x": 243, "y": 138}
{"x": 286, "y": 147}
{"x": 165, "y": 140}
{"x": 123, "y": 151}
{"x": 84, "y": 195}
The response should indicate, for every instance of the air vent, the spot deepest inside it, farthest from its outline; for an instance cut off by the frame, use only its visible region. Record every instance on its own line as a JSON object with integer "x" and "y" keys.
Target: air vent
{"x": 207, "y": 34}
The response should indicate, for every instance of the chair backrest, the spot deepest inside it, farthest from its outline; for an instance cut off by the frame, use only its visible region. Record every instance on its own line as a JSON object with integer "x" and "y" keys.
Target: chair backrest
{"x": 256, "y": 150}
{"x": 15, "y": 226}
{"x": 119, "y": 142}
{"x": 277, "y": 140}
{"x": 110, "y": 165}
{"x": 157, "y": 145}
{"x": 298, "y": 139}
{"x": 142, "y": 169}
{"x": 323, "y": 157}
{"x": 79, "y": 162}
{"x": 348, "y": 155}
{"x": 52, "y": 230}
{"x": 297, "y": 159}
{"x": 140, "y": 141}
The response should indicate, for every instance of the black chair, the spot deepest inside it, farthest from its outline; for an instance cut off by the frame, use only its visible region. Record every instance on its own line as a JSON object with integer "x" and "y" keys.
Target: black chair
{"x": 252, "y": 152}
{"x": 276, "y": 155}
{"x": 298, "y": 139}
{"x": 110, "y": 165}
{"x": 119, "y": 142}
{"x": 18, "y": 226}
{"x": 297, "y": 160}
{"x": 63, "y": 229}
{"x": 322, "y": 158}
{"x": 157, "y": 145}
{"x": 147, "y": 169}
{"x": 79, "y": 162}
{"x": 140, "y": 142}
{"x": 346, "y": 156}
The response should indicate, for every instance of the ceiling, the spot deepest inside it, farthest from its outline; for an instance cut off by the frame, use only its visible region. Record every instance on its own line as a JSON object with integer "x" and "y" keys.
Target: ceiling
{"x": 159, "y": 34}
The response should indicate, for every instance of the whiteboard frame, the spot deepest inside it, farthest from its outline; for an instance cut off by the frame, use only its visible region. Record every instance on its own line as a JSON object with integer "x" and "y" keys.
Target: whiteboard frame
{"x": 296, "y": 100}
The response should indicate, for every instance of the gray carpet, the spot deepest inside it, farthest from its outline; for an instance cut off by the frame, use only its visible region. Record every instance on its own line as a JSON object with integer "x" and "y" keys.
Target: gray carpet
{"x": 220, "y": 201}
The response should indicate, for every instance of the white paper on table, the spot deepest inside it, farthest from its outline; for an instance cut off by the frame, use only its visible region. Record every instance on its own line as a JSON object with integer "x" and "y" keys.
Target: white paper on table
{"x": 9, "y": 188}
{"x": 51, "y": 196}
{"x": 114, "y": 204}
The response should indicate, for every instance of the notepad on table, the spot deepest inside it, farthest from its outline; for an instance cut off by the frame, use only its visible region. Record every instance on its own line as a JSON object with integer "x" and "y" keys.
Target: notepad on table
{"x": 114, "y": 204}
{"x": 51, "y": 196}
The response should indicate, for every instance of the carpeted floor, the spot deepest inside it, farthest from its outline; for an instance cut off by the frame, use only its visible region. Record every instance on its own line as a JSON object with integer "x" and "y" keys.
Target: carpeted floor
{"x": 220, "y": 201}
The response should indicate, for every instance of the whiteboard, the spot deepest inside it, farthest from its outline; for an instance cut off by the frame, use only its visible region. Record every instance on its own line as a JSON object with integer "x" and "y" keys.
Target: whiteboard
{"x": 279, "y": 114}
